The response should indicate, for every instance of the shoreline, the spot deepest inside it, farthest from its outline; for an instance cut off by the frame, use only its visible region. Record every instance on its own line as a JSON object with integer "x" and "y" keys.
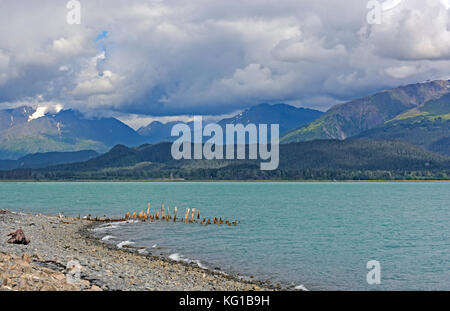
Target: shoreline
{"x": 225, "y": 181}
{"x": 57, "y": 240}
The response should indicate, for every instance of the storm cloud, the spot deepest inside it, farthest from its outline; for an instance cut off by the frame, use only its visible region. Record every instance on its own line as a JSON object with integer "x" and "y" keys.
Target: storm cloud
{"x": 177, "y": 57}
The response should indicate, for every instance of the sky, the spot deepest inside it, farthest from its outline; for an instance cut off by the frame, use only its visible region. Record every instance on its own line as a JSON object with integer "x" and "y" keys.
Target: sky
{"x": 172, "y": 59}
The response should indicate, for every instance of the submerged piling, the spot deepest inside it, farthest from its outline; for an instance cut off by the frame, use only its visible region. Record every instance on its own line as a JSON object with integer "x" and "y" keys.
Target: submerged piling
{"x": 191, "y": 216}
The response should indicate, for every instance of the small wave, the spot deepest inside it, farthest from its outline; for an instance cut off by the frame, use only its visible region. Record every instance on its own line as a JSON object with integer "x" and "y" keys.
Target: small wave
{"x": 301, "y": 287}
{"x": 105, "y": 227}
{"x": 175, "y": 257}
{"x": 199, "y": 263}
{"x": 113, "y": 225}
{"x": 178, "y": 257}
{"x": 108, "y": 237}
{"x": 242, "y": 277}
{"x": 143, "y": 251}
{"x": 129, "y": 221}
{"x": 121, "y": 244}
{"x": 155, "y": 246}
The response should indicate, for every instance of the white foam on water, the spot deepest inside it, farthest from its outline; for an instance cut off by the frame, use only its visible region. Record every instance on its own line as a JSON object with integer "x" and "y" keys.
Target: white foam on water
{"x": 301, "y": 287}
{"x": 108, "y": 237}
{"x": 129, "y": 221}
{"x": 199, "y": 263}
{"x": 143, "y": 251}
{"x": 105, "y": 227}
{"x": 178, "y": 257}
{"x": 155, "y": 246}
{"x": 241, "y": 277}
{"x": 175, "y": 257}
{"x": 121, "y": 244}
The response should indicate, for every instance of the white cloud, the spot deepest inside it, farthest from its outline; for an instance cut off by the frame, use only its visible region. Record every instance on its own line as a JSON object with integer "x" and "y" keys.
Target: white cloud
{"x": 43, "y": 109}
{"x": 179, "y": 57}
{"x": 4, "y": 67}
{"x": 414, "y": 30}
{"x": 75, "y": 45}
{"x": 400, "y": 72}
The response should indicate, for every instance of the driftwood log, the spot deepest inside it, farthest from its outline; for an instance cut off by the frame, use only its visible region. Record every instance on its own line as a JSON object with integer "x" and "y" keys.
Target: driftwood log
{"x": 18, "y": 237}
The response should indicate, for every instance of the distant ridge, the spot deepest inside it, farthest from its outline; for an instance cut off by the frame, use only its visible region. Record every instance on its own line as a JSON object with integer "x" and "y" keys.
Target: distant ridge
{"x": 287, "y": 116}
{"x": 322, "y": 159}
{"x": 42, "y": 160}
{"x": 417, "y": 113}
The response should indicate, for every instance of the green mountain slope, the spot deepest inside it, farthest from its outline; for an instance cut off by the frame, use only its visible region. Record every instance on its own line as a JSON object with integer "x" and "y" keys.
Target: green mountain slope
{"x": 66, "y": 131}
{"x": 427, "y": 126}
{"x": 352, "y": 118}
{"x": 321, "y": 159}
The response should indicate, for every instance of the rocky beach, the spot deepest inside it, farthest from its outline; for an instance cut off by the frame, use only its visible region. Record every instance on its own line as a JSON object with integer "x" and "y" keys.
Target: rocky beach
{"x": 55, "y": 241}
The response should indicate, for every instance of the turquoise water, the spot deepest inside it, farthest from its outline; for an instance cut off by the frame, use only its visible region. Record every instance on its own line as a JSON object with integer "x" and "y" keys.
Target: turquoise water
{"x": 320, "y": 235}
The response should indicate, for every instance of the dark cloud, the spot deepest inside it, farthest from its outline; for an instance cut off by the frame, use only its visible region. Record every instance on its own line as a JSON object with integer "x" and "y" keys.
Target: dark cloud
{"x": 181, "y": 57}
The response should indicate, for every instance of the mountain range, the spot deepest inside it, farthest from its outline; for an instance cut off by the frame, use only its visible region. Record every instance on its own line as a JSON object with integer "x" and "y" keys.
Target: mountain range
{"x": 69, "y": 130}
{"x": 416, "y": 113}
{"x": 66, "y": 131}
{"x": 287, "y": 116}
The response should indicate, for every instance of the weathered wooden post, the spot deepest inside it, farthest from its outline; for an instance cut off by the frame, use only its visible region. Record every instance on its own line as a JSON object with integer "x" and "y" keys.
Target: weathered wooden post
{"x": 167, "y": 214}
{"x": 192, "y": 216}
{"x": 127, "y": 215}
{"x": 175, "y": 214}
{"x": 157, "y": 215}
{"x": 162, "y": 212}
{"x": 186, "y": 215}
{"x": 148, "y": 211}
{"x": 198, "y": 214}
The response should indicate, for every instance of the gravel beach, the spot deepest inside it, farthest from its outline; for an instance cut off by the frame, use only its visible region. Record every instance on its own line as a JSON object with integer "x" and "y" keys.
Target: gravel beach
{"x": 55, "y": 241}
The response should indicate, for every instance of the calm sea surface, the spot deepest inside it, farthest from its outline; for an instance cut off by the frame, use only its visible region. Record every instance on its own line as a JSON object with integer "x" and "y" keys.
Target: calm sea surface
{"x": 320, "y": 235}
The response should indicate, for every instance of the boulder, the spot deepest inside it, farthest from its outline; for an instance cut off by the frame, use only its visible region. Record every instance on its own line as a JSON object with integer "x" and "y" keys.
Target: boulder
{"x": 18, "y": 237}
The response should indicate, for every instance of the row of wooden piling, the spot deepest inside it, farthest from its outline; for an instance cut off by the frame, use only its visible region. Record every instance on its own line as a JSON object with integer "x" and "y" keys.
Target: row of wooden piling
{"x": 190, "y": 216}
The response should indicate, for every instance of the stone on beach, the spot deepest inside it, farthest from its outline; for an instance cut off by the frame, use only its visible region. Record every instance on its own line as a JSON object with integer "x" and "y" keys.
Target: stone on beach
{"x": 18, "y": 237}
